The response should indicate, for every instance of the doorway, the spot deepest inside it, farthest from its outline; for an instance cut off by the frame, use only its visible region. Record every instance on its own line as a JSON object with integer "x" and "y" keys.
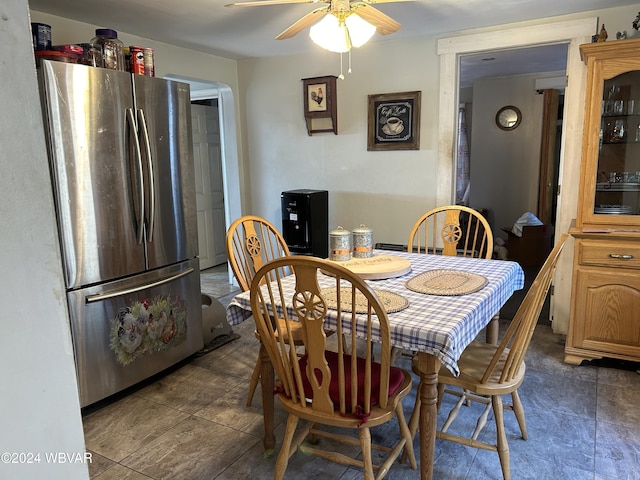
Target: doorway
{"x": 506, "y": 165}
{"x": 207, "y": 158}
{"x": 574, "y": 33}
{"x": 208, "y": 91}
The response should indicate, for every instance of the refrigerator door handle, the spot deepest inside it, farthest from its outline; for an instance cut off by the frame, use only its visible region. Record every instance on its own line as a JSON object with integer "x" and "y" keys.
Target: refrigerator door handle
{"x": 125, "y": 291}
{"x": 131, "y": 120}
{"x": 152, "y": 185}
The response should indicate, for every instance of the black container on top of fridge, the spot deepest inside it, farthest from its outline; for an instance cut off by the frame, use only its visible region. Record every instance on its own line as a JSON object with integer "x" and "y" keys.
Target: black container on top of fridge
{"x": 305, "y": 221}
{"x": 120, "y": 151}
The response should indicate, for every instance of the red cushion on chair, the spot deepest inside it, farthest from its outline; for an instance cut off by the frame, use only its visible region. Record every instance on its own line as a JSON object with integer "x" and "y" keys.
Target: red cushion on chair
{"x": 396, "y": 378}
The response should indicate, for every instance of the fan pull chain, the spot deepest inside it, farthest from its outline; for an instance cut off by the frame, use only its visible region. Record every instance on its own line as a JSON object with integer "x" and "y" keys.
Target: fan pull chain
{"x": 341, "y": 76}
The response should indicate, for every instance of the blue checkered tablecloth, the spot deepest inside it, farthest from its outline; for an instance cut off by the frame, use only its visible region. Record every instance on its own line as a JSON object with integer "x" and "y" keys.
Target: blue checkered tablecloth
{"x": 440, "y": 325}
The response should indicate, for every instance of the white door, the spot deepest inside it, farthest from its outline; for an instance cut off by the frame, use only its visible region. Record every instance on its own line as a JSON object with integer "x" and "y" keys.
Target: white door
{"x": 209, "y": 185}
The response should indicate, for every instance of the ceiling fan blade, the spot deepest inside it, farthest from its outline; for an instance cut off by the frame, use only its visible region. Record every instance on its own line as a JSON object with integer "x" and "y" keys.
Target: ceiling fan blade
{"x": 258, "y": 3}
{"x": 383, "y": 22}
{"x": 304, "y": 22}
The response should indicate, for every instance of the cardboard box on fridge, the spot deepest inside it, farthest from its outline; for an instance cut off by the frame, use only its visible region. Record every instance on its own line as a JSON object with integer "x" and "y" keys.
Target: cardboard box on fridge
{"x": 533, "y": 247}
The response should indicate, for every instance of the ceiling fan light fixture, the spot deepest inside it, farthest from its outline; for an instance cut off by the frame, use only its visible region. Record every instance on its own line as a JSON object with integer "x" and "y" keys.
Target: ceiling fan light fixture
{"x": 330, "y": 34}
{"x": 360, "y": 31}
{"x": 339, "y": 35}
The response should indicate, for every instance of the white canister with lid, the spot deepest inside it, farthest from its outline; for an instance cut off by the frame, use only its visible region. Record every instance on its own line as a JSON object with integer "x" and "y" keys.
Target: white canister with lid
{"x": 340, "y": 245}
{"x": 362, "y": 242}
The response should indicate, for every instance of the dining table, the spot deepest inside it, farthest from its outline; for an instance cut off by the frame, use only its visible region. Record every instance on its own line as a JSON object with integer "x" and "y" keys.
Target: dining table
{"x": 449, "y": 301}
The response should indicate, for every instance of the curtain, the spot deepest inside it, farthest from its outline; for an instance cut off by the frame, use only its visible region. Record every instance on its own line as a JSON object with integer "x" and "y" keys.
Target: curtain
{"x": 462, "y": 173}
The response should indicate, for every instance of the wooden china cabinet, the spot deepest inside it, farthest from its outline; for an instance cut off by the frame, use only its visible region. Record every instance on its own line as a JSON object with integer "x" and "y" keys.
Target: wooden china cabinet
{"x": 605, "y": 300}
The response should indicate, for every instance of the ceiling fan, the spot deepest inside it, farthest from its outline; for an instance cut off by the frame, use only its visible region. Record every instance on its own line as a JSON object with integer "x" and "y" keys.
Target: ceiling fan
{"x": 341, "y": 15}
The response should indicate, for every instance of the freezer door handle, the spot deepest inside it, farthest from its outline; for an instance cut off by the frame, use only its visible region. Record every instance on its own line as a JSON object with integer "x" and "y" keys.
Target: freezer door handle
{"x": 125, "y": 291}
{"x": 131, "y": 120}
{"x": 144, "y": 132}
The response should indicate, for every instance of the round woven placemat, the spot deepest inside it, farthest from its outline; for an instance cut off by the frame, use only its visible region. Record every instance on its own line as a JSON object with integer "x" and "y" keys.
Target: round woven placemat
{"x": 392, "y": 302}
{"x": 446, "y": 282}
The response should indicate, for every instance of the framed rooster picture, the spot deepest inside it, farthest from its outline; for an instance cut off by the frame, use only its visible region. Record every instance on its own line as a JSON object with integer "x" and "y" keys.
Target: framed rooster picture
{"x": 320, "y": 108}
{"x": 317, "y": 97}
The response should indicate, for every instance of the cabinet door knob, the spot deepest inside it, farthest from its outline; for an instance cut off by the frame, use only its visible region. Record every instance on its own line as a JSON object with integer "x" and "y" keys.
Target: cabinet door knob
{"x": 620, "y": 257}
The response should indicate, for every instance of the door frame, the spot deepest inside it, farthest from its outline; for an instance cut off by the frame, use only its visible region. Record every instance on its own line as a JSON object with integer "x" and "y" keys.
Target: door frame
{"x": 574, "y": 33}
{"x": 204, "y": 90}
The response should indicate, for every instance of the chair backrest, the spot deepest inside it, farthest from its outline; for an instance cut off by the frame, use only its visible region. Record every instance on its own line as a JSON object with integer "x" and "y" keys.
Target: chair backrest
{"x": 358, "y": 384}
{"x": 518, "y": 335}
{"x": 457, "y": 229}
{"x": 251, "y": 242}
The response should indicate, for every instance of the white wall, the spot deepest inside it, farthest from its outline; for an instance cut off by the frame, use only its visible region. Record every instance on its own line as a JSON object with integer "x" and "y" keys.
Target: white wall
{"x": 39, "y": 407}
{"x": 505, "y": 164}
{"x": 386, "y": 191}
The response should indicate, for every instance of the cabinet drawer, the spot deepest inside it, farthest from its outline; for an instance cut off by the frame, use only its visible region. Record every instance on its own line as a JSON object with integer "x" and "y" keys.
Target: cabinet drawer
{"x": 609, "y": 254}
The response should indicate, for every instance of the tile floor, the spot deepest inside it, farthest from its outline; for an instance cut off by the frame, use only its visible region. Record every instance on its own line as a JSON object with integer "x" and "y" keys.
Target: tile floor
{"x": 192, "y": 423}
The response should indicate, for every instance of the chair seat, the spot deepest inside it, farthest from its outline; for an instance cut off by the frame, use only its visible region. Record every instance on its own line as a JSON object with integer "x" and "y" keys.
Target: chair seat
{"x": 396, "y": 379}
{"x": 473, "y": 364}
{"x": 377, "y": 416}
{"x": 296, "y": 330}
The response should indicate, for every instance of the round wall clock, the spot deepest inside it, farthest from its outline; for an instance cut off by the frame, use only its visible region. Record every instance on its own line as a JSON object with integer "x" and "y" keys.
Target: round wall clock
{"x": 508, "y": 118}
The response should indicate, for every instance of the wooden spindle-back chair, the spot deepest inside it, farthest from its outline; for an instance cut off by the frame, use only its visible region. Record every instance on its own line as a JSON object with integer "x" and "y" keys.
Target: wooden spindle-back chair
{"x": 251, "y": 242}
{"x": 329, "y": 386}
{"x": 489, "y": 371}
{"x": 452, "y": 230}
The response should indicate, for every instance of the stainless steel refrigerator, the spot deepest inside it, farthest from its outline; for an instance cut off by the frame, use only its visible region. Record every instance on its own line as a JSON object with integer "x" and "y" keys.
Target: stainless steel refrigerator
{"x": 120, "y": 151}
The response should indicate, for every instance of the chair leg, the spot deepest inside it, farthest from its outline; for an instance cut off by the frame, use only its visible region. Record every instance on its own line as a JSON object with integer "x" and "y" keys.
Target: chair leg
{"x": 414, "y": 420}
{"x": 395, "y": 353}
{"x": 367, "y": 460}
{"x": 283, "y": 457}
{"x": 453, "y": 414}
{"x": 441, "y": 390}
{"x": 255, "y": 379}
{"x": 502, "y": 445}
{"x": 267, "y": 391}
{"x": 482, "y": 420}
{"x": 519, "y": 412}
{"x": 413, "y": 424}
{"x": 406, "y": 434}
{"x": 345, "y": 343}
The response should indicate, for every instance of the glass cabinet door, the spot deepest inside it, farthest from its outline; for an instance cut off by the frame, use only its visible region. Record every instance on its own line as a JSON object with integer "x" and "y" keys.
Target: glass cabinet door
{"x": 617, "y": 189}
